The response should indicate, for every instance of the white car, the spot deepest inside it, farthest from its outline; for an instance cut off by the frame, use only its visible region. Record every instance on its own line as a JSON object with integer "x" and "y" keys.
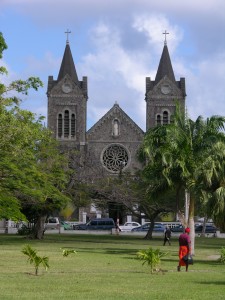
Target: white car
{"x": 52, "y": 223}
{"x": 128, "y": 226}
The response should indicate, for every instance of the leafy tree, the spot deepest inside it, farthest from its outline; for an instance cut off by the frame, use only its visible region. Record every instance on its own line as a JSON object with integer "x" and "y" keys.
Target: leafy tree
{"x": 131, "y": 194}
{"x": 33, "y": 172}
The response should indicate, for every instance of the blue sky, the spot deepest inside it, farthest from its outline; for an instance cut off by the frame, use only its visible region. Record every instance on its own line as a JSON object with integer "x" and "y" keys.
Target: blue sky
{"x": 116, "y": 44}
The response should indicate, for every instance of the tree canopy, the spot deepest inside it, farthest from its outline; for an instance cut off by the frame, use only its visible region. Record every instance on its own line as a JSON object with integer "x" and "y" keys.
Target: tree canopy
{"x": 187, "y": 154}
{"x": 33, "y": 172}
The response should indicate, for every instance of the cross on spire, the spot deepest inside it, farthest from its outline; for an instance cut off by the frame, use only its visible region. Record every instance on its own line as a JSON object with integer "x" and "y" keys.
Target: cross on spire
{"x": 165, "y": 42}
{"x": 67, "y": 36}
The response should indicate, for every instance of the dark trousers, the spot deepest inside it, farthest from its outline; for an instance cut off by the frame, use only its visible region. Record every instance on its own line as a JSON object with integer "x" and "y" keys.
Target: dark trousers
{"x": 166, "y": 239}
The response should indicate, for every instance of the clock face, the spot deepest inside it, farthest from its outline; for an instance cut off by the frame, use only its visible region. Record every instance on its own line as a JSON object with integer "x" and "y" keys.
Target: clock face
{"x": 67, "y": 87}
{"x": 165, "y": 89}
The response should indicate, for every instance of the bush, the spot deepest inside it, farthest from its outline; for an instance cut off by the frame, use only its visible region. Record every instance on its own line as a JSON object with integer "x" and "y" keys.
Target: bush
{"x": 25, "y": 230}
{"x": 151, "y": 257}
{"x": 34, "y": 259}
{"x": 222, "y": 255}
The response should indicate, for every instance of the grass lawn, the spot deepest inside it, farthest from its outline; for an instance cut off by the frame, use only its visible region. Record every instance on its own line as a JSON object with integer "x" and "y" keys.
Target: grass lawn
{"x": 106, "y": 267}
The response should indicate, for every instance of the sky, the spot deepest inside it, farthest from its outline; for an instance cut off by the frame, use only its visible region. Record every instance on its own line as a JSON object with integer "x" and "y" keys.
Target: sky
{"x": 117, "y": 44}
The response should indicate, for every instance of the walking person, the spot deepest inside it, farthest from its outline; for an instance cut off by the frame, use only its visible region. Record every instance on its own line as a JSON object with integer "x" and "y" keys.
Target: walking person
{"x": 184, "y": 248}
{"x": 167, "y": 236}
{"x": 118, "y": 226}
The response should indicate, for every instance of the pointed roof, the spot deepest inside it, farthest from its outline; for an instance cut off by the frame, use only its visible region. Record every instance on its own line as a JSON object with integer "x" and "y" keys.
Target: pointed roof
{"x": 67, "y": 65}
{"x": 115, "y": 109}
{"x": 165, "y": 66}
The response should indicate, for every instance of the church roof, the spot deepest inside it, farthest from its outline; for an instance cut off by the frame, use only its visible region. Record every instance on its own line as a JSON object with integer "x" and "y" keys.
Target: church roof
{"x": 115, "y": 110}
{"x": 165, "y": 66}
{"x": 67, "y": 65}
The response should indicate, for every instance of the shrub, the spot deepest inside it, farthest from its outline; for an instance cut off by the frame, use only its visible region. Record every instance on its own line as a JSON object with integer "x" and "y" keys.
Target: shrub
{"x": 33, "y": 258}
{"x": 66, "y": 252}
{"x": 222, "y": 255}
{"x": 151, "y": 257}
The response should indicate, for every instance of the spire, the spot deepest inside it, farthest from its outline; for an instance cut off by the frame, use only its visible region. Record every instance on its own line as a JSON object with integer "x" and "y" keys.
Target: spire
{"x": 67, "y": 65}
{"x": 165, "y": 66}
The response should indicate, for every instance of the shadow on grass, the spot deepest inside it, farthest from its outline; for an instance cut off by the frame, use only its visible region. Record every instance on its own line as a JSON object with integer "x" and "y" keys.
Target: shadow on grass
{"x": 207, "y": 262}
{"x": 110, "y": 251}
{"x": 211, "y": 282}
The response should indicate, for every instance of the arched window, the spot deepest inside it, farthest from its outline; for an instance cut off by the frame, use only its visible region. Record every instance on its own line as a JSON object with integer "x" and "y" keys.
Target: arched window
{"x": 115, "y": 127}
{"x": 158, "y": 120}
{"x": 60, "y": 126}
{"x": 73, "y": 125}
{"x": 165, "y": 117}
{"x": 66, "y": 125}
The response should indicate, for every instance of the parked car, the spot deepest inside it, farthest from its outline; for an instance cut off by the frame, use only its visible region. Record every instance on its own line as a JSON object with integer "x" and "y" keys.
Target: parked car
{"x": 52, "y": 223}
{"x": 128, "y": 226}
{"x": 97, "y": 224}
{"x": 179, "y": 228}
{"x": 65, "y": 225}
{"x": 157, "y": 227}
{"x": 208, "y": 229}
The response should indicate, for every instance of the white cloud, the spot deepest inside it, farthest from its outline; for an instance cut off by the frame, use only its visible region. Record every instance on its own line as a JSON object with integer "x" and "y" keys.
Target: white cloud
{"x": 205, "y": 87}
{"x": 153, "y": 26}
{"x": 115, "y": 62}
{"x": 112, "y": 67}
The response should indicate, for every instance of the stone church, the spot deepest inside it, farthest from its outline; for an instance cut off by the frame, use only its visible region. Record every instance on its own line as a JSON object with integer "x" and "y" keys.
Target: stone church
{"x": 111, "y": 144}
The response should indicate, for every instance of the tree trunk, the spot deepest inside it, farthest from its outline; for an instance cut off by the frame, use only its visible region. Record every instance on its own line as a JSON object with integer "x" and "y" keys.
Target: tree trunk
{"x": 40, "y": 228}
{"x": 191, "y": 223}
{"x": 149, "y": 233}
{"x": 204, "y": 226}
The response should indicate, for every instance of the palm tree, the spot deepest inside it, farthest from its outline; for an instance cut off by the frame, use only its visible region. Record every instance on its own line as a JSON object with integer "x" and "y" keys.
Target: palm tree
{"x": 181, "y": 149}
{"x": 213, "y": 180}
{"x": 34, "y": 259}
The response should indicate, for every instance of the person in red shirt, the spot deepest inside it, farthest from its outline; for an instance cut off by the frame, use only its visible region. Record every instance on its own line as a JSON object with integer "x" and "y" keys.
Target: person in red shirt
{"x": 184, "y": 249}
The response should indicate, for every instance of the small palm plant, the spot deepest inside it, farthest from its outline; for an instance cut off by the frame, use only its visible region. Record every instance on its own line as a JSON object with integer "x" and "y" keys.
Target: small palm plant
{"x": 222, "y": 255}
{"x": 33, "y": 258}
{"x": 151, "y": 257}
{"x": 66, "y": 252}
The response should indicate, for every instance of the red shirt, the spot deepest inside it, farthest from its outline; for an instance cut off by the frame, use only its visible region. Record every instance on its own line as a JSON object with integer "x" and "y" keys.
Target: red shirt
{"x": 184, "y": 239}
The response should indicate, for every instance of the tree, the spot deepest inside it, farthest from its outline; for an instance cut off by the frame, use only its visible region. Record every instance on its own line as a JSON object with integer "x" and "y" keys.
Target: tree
{"x": 181, "y": 149}
{"x": 33, "y": 172}
{"x": 212, "y": 182}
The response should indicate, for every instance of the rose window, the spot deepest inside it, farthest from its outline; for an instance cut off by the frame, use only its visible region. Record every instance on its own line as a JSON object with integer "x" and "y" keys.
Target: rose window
{"x": 115, "y": 158}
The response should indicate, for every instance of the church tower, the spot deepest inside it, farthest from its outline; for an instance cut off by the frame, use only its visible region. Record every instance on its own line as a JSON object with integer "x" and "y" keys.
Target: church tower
{"x": 163, "y": 93}
{"x": 67, "y": 104}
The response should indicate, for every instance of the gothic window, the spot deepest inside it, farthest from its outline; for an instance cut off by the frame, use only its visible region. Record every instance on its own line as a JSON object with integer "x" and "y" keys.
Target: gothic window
{"x": 115, "y": 127}
{"x": 165, "y": 117}
{"x": 158, "y": 120}
{"x": 66, "y": 125}
{"x": 73, "y": 125}
{"x": 115, "y": 158}
{"x": 60, "y": 125}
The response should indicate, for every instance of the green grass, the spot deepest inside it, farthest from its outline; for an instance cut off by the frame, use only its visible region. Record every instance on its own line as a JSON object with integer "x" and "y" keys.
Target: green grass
{"x": 106, "y": 267}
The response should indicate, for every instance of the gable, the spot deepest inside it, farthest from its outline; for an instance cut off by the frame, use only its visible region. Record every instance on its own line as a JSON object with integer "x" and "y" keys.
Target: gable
{"x": 165, "y": 88}
{"x": 67, "y": 87}
{"x": 115, "y": 126}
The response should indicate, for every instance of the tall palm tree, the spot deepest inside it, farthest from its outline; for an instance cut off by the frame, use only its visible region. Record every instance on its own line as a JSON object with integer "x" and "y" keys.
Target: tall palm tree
{"x": 181, "y": 149}
{"x": 212, "y": 182}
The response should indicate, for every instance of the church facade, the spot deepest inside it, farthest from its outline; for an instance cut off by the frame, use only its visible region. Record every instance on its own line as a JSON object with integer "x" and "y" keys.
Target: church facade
{"x": 111, "y": 144}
